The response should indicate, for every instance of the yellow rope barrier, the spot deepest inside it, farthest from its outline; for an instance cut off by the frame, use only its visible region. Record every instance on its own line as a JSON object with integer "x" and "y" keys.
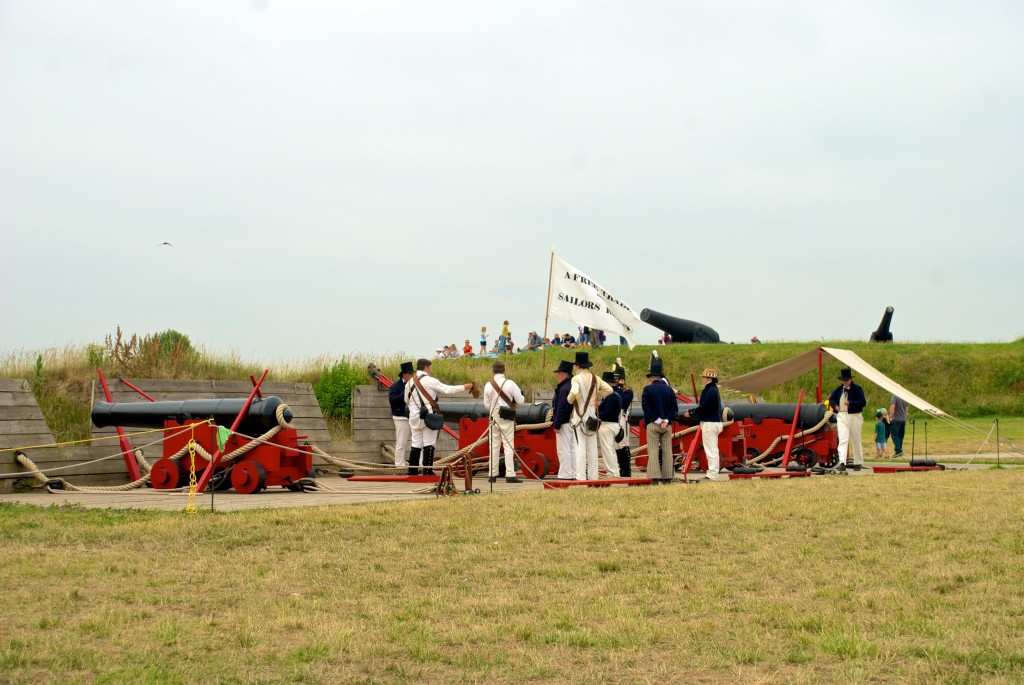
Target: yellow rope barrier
{"x": 84, "y": 440}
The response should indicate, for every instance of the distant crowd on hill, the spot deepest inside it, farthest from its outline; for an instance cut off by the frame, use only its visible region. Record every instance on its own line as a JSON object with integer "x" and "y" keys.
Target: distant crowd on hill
{"x": 503, "y": 344}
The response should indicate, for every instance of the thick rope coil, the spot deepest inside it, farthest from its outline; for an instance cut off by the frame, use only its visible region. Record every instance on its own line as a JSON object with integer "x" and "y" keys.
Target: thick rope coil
{"x": 767, "y": 452}
{"x": 31, "y": 466}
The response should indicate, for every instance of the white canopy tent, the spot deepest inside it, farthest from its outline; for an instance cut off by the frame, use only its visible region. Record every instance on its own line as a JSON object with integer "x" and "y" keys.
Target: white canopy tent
{"x": 793, "y": 367}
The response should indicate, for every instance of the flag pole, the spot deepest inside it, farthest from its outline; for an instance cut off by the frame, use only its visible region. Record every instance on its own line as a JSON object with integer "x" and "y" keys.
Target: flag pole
{"x": 547, "y": 309}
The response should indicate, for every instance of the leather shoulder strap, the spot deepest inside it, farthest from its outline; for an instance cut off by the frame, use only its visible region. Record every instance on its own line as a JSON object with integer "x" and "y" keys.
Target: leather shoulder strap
{"x": 424, "y": 393}
{"x": 501, "y": 393}
{"x": 590, "y": 393}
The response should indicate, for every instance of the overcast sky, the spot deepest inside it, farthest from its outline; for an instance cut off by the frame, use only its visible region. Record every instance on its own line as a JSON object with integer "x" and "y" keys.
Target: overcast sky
{"x": 386, "y": 177}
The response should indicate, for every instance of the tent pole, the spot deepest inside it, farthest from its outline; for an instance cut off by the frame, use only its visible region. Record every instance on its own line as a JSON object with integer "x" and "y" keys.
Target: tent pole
{"x": 819, "y": 375}
{"x": 547, "y": 310}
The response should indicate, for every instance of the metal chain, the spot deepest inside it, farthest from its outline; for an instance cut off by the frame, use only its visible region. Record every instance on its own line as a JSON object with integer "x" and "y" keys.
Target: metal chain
{"x": 190, "y": 508}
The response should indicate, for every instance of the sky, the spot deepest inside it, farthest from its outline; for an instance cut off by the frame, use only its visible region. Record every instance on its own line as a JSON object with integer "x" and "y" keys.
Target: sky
{"x": 386, "y": 177}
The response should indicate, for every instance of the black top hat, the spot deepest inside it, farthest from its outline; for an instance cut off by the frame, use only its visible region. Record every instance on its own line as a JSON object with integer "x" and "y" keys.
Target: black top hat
{"x": 846, "y": 375}
{"x": 656, "y": 368}
{"x": 608, "y": 376}
{"x": 583, "y": 360}
{"x": 564, "y": 367}
{"x": 406, "y": 368}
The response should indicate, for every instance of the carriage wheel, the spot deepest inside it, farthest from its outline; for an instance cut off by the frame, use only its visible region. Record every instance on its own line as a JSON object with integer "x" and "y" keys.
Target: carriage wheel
{"x": 806, "y": 457}
{"x": 248, "y": 477}
{"x": 537, "y": 463}
{"x": 168, "y": 474}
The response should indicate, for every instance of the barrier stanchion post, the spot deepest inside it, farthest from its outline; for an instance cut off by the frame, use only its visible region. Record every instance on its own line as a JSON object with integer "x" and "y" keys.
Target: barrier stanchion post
{"x": 998, "y": 464}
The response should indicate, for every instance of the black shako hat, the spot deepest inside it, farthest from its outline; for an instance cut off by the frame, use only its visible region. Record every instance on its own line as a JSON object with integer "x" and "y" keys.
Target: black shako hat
{"x": 583, "y": 360}
{"x": 846, "y": 375}
{"x": 564, "y": 367}
{"x": 656, "y": 368}
{"x": 620, "y": 373}
{"x": 406, "y": 368}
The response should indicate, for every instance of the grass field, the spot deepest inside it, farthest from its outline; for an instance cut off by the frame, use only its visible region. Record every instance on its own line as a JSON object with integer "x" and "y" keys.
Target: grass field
{"x": 910, "y": 578}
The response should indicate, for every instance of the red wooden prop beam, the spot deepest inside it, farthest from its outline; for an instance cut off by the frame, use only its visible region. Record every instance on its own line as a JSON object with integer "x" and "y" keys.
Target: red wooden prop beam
{"x": 128, "y": 452}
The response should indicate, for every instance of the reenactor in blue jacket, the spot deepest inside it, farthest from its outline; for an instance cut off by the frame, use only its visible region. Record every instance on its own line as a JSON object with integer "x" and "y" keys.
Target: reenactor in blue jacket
{"x": 609, "y": 411}
{"x": 561, "y": 412}
{"x": 622, "y": 445}
{"x": 400, "y": 413}
{"x": 709, "y": 413}
{"x": 848, "y": 402}
{"x": 660, "y": 406}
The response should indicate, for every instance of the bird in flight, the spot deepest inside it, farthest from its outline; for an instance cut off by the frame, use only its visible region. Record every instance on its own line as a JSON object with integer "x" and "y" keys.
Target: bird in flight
{"x": 165, "y": 243}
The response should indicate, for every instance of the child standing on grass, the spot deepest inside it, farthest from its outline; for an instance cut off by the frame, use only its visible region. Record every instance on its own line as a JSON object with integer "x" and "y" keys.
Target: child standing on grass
{"x": 888, "y": 427}
{"x": 880, "y": 447}
{"x": 483, "y": 340}
{"x": 503, "y": 338}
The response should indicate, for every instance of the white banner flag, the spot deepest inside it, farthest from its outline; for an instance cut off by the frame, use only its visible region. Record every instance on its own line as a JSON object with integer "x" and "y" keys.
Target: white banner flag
{"x": 576, "y": 297}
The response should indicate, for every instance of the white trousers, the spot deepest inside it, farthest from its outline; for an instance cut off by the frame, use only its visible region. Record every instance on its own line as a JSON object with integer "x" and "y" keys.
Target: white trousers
{"x": 503, "y": 432}
{"x": 849, "y": 427}
{"x": 606, "y": 443}
{"x": 402, "y": 437}
{"x": 586, "y": 454}
{"x": 565, "y": 442}
{"x": 421, "y": 435}
{"x": 709, "y": 431}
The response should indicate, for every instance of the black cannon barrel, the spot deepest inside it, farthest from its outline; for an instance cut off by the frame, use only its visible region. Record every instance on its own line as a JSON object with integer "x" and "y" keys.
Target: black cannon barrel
{"x": 810, "y": 414}
{"x": 681, "y": 330}
{"x": 525, "y": 413}
{"x": 260, "y": 417}
{"x": 882, "y": 333}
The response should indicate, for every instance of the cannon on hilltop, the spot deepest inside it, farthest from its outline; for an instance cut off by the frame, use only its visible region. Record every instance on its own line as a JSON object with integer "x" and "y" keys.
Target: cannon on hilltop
{"x": 882, "y": 333}
{"x": 681, "y": 330}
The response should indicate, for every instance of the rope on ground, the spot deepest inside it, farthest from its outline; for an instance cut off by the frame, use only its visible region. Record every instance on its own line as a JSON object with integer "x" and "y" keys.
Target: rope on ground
{"x": 50, "y": 483}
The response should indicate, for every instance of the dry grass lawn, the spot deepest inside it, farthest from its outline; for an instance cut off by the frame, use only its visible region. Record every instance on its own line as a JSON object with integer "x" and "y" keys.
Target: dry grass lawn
{"x": 909, "y": 578}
